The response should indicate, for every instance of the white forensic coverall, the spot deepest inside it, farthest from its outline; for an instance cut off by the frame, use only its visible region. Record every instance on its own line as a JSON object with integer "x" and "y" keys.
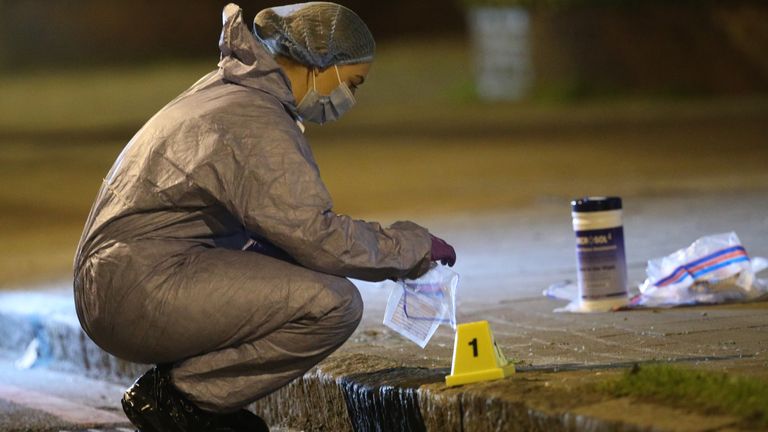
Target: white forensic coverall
{"x": 164, "y": 272}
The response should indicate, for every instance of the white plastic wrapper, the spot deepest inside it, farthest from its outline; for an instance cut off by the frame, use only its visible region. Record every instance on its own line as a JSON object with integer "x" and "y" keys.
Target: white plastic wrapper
{"x": 714, "y": 269}
{"x": 417, "y": 307}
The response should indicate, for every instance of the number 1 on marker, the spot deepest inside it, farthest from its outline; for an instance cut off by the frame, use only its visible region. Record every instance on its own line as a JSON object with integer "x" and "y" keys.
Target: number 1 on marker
{"x": 473, "y": 342}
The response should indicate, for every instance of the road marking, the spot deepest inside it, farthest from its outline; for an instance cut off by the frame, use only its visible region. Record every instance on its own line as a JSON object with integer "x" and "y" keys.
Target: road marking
{"x": 64, "y": 409}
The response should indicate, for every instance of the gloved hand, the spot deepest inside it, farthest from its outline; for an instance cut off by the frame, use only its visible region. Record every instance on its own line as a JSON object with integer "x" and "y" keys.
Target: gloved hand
{"x": 442, "y": 251}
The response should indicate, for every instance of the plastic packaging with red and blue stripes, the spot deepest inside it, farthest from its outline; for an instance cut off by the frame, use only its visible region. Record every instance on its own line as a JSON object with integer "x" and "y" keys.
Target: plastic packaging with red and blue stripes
{"x": 714, "y": 269}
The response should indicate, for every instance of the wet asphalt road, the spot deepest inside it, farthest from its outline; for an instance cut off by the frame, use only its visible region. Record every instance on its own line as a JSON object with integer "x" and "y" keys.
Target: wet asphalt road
{"x": 40, "y": 400}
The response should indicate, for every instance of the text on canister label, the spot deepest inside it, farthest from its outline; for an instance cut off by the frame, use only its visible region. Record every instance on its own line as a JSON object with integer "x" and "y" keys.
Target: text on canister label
{"x": 601, "y": 260}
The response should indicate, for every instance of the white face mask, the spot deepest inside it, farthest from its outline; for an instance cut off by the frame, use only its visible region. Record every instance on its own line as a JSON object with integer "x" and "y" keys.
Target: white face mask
{"x": 320, "y": 109}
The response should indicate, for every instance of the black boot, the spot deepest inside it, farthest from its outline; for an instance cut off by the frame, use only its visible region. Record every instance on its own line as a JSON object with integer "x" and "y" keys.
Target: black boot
{"x": 153, "y": 404}
{"x": 142, "y": 407}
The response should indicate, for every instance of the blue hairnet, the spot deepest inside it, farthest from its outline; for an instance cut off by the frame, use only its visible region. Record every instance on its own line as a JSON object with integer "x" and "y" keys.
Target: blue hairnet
{"x": 316, "y": 34}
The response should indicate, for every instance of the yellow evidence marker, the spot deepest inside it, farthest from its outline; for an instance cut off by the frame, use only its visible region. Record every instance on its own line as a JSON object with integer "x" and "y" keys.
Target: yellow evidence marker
{"x": 476, "y": 356}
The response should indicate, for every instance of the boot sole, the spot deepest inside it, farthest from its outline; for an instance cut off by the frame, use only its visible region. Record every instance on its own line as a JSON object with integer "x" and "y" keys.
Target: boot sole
{"x": 137, "y": 419}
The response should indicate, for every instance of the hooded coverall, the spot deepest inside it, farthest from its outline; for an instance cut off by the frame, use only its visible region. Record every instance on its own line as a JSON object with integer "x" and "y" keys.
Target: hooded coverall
{"x": 164, "y": 272}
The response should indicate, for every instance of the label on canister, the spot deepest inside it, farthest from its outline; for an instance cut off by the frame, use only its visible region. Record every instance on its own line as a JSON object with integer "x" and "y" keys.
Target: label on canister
{"x": 601, "y": 259}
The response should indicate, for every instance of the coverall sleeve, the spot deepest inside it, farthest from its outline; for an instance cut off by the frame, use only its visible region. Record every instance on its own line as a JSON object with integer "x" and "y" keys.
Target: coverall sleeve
{"x": 272, "y": 184}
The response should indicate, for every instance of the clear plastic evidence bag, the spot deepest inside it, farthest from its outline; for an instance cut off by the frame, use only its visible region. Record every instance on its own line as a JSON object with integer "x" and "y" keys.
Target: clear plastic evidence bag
{"x": 417, "y": 307}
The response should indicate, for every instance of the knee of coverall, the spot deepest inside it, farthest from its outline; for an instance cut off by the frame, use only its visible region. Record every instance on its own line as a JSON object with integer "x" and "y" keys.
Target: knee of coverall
{"x": 343, "y": 304}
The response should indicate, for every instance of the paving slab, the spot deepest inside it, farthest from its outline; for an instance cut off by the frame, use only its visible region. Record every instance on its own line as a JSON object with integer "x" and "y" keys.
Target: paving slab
{"x": 506, "y": 261}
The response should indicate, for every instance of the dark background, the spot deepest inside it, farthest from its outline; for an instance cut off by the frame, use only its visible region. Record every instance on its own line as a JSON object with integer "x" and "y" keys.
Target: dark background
{"x": 579, "y": 47}
{"x": 38, "y": 32}
{"x": 633, "y": 98}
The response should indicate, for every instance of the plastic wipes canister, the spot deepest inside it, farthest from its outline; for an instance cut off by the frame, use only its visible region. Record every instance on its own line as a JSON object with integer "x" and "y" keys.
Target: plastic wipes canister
{"x": 600, "y": 256}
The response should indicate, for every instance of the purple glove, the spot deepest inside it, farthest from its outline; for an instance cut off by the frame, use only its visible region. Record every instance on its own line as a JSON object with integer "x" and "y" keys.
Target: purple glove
{"x": 443, "y": 252}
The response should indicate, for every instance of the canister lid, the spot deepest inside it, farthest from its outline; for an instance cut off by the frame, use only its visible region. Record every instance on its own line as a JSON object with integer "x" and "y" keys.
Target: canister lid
{"x": 595, "y": 204}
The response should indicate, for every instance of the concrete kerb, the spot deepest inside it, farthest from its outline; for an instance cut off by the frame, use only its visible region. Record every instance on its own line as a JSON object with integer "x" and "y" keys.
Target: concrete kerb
{"x": 359, "y": 389}
{"x": 40, "y": 329}
{"x": 387, "y": 383}
{"x": 344, "y": 393}
{"x": 379, "y": 395}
